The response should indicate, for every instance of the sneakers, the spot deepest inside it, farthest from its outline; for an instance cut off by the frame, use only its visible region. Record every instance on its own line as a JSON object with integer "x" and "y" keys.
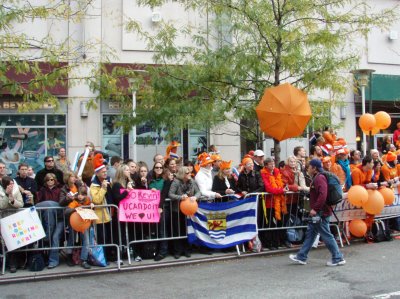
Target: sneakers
{"x": 159, "y": 257}
{"x": 294, "y": 258}
{"x": 85, "y": 265}
{"x": 332, "y": 264}
{"x": 70, "y": 261}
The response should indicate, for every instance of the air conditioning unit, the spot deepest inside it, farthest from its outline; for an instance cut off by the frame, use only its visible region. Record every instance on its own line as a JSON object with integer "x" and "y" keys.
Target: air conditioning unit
{"x": 393, "y": 35}
{"x": 156, "y": 17}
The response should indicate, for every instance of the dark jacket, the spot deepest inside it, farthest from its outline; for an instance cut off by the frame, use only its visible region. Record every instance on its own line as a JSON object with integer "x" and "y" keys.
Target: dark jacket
{"x": 219, "y": 185}
{"x": 117, "y": 195}
{"x": 45, "y": 193}
{"x": 27, "y": 184}
{"x": 39, "y": 178}
{"x": 318, "y": 194}
{"x": 165, "y": 191}
{"x": 250, "y": 182}
{"x": 257, "y": 168}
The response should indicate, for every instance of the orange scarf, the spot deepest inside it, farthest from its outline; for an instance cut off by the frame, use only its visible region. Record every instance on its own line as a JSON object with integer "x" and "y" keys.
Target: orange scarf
{"x": 279, "y": 199}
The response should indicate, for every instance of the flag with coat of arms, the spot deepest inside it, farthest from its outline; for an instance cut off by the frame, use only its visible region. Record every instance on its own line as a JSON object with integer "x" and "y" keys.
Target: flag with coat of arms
{"x": 222, "y": 225}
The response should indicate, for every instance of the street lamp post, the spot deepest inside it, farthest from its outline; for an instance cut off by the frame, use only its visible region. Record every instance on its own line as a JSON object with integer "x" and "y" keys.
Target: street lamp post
{"x": 363, "y": 77}
{"x": 134, "y": 82}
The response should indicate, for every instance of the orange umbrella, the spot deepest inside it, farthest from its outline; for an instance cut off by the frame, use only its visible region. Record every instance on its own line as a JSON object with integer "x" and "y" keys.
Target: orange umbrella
{"x": 283, "y": 112}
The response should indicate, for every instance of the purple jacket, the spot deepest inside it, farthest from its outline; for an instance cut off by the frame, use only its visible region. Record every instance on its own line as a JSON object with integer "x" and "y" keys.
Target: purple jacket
{"x": 318, "y": 194}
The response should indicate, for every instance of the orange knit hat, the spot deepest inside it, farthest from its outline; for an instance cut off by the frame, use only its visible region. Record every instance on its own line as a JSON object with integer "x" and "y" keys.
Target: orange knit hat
{"x": 246, "y": 160}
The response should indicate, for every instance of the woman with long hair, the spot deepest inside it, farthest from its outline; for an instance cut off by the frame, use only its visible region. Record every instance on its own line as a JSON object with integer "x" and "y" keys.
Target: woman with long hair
{"x": 223, "y": 182}
{"x": 121, "y": 184}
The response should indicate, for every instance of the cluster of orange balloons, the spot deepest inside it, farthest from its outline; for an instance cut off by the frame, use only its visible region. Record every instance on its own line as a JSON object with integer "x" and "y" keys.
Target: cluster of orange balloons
{"x": 374, "y": 122}
{"x": 188, "y": 206}
{"x": 372, "y": 202}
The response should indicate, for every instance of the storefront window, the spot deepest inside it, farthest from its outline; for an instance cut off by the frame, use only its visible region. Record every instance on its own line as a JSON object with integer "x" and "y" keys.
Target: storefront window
{"x": 197, "y": 143}
{"x": 147, "y": 135}
{"x": 112, "y": 136}
{"x": 29, "y": 138}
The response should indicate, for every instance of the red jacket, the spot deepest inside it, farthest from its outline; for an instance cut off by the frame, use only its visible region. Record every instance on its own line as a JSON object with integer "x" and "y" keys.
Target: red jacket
{"x": 49, "y": 194}
{"x": 288, "y": 178}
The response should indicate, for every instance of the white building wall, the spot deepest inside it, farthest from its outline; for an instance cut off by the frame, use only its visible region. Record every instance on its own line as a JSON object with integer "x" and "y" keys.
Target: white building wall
{"x": 105, "y": 23}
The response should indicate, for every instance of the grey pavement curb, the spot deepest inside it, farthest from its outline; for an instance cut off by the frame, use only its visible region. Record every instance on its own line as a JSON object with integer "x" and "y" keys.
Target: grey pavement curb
{"x": 38, "y": 276}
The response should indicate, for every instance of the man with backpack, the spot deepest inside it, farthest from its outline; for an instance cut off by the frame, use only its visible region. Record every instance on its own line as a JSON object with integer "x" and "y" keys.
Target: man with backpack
{"x": 319, "y": 219}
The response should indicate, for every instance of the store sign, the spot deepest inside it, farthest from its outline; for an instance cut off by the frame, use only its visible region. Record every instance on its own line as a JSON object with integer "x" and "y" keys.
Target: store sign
{"x": 10, "y": 105}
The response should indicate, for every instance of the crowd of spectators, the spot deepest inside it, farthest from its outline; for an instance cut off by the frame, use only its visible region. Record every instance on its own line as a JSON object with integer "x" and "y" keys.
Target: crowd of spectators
{"x": 209, "y": 178}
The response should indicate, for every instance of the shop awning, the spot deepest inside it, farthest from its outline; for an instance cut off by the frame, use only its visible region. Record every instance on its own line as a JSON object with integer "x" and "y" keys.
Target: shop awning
{"x": 59, "y": 89}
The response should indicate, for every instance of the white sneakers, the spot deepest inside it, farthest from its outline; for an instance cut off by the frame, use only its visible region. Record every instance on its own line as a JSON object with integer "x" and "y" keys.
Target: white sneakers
{"x": 294, "y": 258}
{"x": 332, "y": 264}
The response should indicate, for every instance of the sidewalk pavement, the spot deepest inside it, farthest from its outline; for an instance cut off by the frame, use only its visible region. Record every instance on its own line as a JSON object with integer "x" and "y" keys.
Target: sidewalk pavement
{"x": 63, "y": 270}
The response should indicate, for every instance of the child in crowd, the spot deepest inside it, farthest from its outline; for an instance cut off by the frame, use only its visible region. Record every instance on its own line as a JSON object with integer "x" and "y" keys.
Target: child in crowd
{"x": 82, "y": 198}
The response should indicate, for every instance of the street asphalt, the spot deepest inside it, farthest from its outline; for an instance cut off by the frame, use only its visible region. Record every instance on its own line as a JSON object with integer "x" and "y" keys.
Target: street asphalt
{"x": 371, "y": 271}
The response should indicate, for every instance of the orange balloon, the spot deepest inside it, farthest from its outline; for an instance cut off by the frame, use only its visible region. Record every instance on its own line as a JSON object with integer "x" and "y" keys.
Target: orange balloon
{"x": 358, "y": 228}
{"x": 388, "y": 195}
{"x": 383, "y": 120}
{"x": 375, "y": 203}
{"x": 188, "y": 207}
{"x": 374, "y": 131}
{"x": 367, "y": 122}
{"x": 79, "y": 224}
{"x": 357, "y": 195}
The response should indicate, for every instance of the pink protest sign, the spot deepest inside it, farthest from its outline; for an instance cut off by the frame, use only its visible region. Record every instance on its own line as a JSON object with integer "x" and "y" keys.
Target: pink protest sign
{"x": 140, "y": 206}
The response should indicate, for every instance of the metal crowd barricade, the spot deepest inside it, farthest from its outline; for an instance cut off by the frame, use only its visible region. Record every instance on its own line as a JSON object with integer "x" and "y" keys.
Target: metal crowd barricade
{"x": 297, "y": 205}
{"x": 45, "y": 244}
{"x": 139, "y": 232}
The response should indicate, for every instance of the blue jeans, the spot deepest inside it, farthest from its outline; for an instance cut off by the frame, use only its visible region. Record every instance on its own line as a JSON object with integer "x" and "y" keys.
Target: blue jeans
{"x": 53, "y": 227}
{"x": 85, "y": 243}
{"x": 323, "y": 229}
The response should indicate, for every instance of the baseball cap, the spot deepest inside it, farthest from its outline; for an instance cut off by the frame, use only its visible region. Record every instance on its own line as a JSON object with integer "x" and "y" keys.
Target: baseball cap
{"x": 317, "y": 164}
{"x": 259, "y": 153}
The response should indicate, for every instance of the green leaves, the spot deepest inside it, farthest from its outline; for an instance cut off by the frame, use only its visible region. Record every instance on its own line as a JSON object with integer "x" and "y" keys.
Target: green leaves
{"x": 245, "y": 48}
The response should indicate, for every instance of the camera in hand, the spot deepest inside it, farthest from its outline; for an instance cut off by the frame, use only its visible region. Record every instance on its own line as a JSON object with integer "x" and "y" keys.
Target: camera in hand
{"x": 314, "y": 219}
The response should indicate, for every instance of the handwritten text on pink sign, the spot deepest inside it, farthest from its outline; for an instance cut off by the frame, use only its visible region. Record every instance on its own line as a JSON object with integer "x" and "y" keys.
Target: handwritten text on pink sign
{"x": 140, "y": 206}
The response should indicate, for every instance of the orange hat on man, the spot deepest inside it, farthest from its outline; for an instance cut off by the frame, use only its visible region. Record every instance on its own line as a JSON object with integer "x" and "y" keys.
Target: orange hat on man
{"x": 205, "y": 161}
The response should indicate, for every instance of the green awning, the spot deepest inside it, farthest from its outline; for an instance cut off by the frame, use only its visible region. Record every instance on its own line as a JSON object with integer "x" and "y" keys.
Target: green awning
{"x": 383, "y": 88}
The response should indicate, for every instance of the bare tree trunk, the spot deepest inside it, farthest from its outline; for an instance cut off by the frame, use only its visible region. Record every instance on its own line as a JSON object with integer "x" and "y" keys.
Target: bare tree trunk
{"x": 277, "y": 151}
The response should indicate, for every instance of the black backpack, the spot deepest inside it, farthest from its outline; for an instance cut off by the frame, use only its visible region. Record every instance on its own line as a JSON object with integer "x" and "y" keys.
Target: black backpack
{"x": 36, "y": 262}
{"x": 335, "y": 192}
{"x": 380, "y": 232}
